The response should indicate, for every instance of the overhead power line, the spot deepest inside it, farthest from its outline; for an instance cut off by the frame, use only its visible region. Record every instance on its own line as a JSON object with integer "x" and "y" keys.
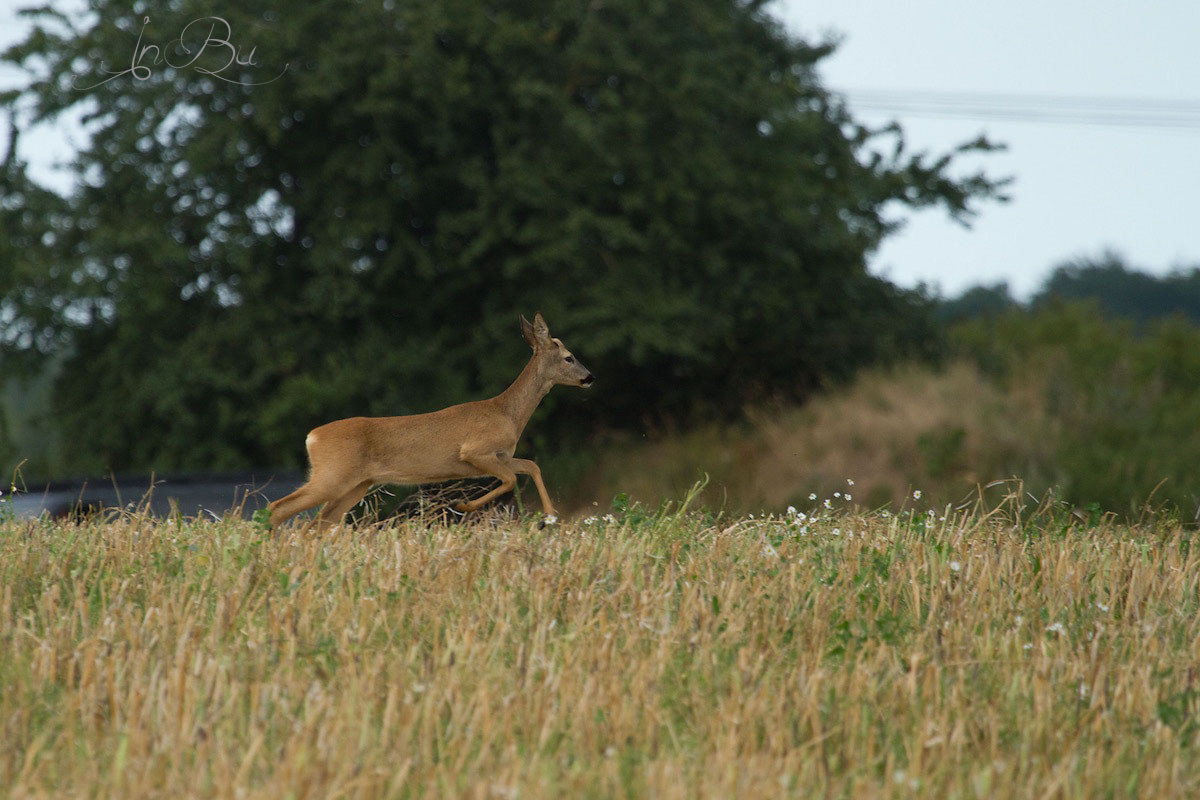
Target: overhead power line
{"x": 1129, "y": 112}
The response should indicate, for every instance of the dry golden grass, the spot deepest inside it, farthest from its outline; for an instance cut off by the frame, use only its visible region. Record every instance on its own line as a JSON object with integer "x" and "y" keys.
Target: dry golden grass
{"x": 664, "y": 655}
{"x": 941, "y": 431}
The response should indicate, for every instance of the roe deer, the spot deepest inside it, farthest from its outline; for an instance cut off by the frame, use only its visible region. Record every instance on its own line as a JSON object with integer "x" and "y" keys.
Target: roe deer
{"x": 463, "y": 441}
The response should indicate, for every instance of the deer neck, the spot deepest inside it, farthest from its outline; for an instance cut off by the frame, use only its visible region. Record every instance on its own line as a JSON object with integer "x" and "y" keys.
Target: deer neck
{"x": 520, "y": 399}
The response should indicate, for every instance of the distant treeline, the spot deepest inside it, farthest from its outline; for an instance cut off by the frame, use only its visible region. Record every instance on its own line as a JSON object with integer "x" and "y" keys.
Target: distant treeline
{"x": 1117, "y": 289}
{"x": 1104, "y": 364}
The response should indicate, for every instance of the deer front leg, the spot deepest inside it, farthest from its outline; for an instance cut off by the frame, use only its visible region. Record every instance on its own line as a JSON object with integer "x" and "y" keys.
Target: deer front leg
{"x": 527, "y": 467}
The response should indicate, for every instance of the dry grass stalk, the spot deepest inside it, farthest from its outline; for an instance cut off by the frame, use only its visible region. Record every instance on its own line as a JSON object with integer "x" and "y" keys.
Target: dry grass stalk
{"x": 668, "y": 656}
{"x": 892, "y": 431}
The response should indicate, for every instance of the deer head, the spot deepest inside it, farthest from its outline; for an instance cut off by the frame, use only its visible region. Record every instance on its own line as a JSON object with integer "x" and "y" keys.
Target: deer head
{"x": 554, "y": 361}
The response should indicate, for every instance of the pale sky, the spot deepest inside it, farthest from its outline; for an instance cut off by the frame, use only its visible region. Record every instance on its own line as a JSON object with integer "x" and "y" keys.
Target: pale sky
{"x": 1079, "y": 188}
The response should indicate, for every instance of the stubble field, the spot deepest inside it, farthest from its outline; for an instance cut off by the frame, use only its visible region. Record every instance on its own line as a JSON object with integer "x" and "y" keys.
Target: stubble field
{"x": 673, "y": 654}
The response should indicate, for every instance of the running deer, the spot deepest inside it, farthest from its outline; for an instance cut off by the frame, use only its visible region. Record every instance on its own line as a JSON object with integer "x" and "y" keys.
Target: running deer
{"x": 351, "y": 455}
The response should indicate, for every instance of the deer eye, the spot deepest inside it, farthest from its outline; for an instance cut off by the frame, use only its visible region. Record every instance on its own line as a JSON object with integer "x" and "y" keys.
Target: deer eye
{"x": 570, "y": 359}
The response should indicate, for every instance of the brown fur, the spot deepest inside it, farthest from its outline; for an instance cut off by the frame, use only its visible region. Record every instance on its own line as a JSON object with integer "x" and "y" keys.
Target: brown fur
{"x": 349, "y": 456}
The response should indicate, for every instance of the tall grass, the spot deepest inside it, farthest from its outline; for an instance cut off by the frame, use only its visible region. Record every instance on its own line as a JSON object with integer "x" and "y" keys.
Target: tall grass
{"x": 944, "y": 431}
{"x": 1105, "y": 413}
{"x": 671, "y": 655}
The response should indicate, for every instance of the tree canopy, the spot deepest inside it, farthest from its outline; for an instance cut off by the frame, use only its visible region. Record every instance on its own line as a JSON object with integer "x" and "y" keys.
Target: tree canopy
{"x": 1116, "y": 289}
{"x": 1123, "y": 291}
{"x": 299, "y": 212}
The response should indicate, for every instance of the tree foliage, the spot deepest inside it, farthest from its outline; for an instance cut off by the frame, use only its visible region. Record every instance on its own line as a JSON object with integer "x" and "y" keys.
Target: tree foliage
{"x": 1123, "y": 291}
{"x": 975, "y": 302}
{"x": 252, "y": 250}
{"x": 1117, "y": 289}
{"x": 1126, "y": 419}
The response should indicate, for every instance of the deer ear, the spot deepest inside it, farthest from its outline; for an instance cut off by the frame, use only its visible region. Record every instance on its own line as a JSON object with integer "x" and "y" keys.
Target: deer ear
{"x": 527, "y": 332}
{"x": 540, "y": 329}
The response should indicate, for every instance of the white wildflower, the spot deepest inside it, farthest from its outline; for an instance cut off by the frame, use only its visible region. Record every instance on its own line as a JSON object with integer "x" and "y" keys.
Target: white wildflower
{"x": 955, "y": 566}
{"x": 1055, "y": 627}
{"x": 812, "y": 495}
{"x": 916, "y": 494}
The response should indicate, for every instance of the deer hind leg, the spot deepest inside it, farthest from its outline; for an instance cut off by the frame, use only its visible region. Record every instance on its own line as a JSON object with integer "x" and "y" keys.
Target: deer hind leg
{"x": 335, "y": 510}
{"x": 526, "y": 467}
{"x": 495, "y": 466}
{"x": 321, "y": 488}
{"x": 304, "y": 498}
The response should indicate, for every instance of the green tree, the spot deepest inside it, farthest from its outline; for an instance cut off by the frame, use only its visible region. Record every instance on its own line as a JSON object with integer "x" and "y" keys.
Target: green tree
{"x": 1124, "y": 407}
{"x": 252, "y": 250}
{"x": 978, "y": 301}
{"x": 1123, "y": 291}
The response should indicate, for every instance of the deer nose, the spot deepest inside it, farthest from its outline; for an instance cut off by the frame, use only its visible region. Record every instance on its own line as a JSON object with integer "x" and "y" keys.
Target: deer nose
{"x": 587, "y": 381}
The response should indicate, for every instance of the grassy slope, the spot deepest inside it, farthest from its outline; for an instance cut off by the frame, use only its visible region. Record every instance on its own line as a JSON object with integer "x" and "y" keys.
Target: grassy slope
{"x": 942, "y": 432}
{"x": 654, "y": 656}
